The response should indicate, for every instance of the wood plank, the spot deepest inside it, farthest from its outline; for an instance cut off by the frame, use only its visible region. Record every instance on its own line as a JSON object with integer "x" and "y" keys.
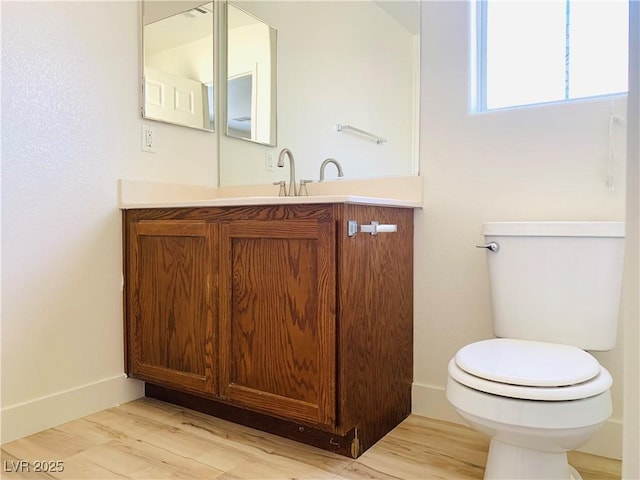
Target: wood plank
{"x": 152, "y": 439}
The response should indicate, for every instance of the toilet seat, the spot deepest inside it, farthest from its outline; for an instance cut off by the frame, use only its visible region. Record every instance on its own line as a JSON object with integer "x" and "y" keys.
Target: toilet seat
{"x": 529, "y": 370}
{"x": 527, "y": 363}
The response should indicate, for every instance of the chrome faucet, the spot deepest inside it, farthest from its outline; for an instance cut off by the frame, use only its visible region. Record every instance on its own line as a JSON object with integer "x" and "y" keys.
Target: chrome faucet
{"x": 292, "y": 171}
{"x": 324, "y": 164}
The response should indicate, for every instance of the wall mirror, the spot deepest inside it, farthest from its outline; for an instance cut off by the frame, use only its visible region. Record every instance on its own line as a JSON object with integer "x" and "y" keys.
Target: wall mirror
{"x": 350, "y": 63}
{"x": 178, "y": 62}
{"x": 251, "y": 70}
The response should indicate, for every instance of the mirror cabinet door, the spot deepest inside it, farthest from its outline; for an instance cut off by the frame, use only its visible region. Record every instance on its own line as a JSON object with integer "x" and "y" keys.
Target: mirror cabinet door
{"x": 178, "y": 62}
{"x": 251, "y": 77}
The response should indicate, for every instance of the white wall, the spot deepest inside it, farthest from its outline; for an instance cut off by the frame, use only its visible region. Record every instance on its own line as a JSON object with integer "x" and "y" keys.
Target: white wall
{"x": 192, "y": 60}
{"x": 70, "y": 129}
{"x": 539, "y": 163}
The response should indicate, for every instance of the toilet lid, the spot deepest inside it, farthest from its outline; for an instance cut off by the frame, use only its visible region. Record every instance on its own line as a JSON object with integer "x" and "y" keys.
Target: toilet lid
{"x": 527, "y": 363}
{"x": 600, "y": 384}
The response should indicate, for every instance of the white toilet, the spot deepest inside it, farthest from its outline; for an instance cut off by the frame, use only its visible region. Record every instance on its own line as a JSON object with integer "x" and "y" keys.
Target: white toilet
{"x": 555, "y": 289}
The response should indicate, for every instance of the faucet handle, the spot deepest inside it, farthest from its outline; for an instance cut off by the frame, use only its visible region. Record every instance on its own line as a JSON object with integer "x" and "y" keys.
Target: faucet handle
{"x": 282, "y": 192}
{"x": 303, "y": 188}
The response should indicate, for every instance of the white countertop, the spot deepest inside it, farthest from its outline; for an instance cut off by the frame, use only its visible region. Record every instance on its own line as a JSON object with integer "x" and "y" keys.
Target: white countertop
{"x": 274, "y": 200}
{"x": 403, "y": 192}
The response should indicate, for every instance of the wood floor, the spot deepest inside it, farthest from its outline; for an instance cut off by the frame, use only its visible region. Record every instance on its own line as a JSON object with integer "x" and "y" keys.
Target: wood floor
{"x": 148, "y": 439}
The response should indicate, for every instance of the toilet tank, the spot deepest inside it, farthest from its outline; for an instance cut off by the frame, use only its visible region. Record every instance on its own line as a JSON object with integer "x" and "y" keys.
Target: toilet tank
{"x": 556, "y": 282}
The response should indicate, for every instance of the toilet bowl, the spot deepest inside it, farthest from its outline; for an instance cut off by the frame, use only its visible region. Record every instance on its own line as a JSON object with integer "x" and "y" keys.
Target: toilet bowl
{"x": 536, "y": 401}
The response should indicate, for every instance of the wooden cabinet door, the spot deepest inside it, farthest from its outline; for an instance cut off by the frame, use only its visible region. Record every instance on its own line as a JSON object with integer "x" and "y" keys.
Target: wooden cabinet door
{"x": 171, "y": 301}
{"x": 277, "y": 318}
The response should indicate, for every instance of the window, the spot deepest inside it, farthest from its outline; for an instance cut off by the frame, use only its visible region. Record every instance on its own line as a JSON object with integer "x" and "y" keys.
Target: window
{"x": 531, "y": 52}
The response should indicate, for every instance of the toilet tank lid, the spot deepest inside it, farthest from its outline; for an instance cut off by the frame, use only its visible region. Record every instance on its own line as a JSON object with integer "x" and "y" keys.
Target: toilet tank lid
{"x": 554, "y": 229}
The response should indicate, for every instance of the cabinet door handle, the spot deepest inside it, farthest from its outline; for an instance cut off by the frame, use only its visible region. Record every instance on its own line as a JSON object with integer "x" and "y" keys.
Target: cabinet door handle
{"x": 373, "y": 228}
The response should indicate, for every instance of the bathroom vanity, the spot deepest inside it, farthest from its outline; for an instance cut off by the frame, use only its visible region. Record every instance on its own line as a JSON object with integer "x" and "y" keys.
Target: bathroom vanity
{"x": 285, "y": 317}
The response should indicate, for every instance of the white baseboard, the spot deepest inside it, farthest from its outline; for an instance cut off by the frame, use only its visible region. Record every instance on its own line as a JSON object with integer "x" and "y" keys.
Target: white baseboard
{"x": 430, "y": 401}
{"x": 39, "y": 414}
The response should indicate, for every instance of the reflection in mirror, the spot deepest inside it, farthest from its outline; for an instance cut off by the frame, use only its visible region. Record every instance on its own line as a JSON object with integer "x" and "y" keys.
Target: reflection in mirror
{"x": 251, "y": 78}
{"x": 178, "y": 40}
{"x": 350, "y": 63}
